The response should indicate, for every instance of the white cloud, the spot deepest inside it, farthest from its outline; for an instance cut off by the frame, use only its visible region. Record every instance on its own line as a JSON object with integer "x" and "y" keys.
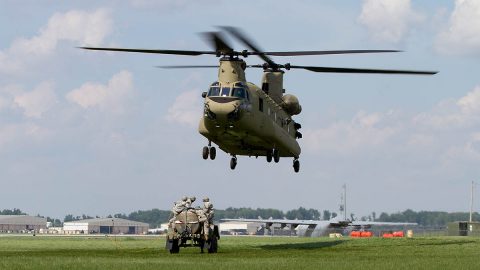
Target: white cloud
{"x": 170, "y": 5}
{"x": 22, "y": 131}
{"x": 446, "y": 134}
{"x": 81, "y": 27}
{"x": 362, "y": 132}
{"x": 470, "y": 104}
{"x": 461, "y": 113}
{"x": 461, "y": 35}
{"x": 388, "y": 21}
{"x": 32, "y": 103}
{"x": 38, "y": 101}
{"x": 107, "y": 97}
{"x": 185, "y": 110}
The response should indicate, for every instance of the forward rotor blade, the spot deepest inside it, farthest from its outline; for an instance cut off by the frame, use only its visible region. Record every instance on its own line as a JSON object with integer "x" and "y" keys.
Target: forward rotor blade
{"x": 191, "y": 66}
{"x": 299, "y": 53}
{"x": 218, "y": 42}
{"x": 364, "y": 70}
{"x": 249, "y": 43}
{"x": 175, "y": 52}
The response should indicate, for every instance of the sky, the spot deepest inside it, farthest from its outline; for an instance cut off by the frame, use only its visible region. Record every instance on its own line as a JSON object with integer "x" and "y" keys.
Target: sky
{"x": 101, "y": 133}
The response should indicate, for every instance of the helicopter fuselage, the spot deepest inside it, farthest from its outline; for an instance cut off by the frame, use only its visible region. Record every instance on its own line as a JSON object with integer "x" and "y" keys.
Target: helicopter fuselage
{"x": 243, "y": 119}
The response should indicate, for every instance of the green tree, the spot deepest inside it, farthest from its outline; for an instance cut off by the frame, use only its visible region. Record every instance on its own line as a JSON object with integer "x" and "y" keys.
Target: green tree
{"x": 15, "y": 211}
{"x": 326, "y": 215}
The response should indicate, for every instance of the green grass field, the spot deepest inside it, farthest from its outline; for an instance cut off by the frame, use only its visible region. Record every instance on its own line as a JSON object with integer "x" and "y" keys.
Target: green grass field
{"x": 28, "y": 252}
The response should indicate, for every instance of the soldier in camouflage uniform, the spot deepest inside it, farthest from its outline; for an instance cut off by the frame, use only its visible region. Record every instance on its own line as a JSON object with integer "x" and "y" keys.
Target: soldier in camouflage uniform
{"x": 178, "y": 207}
{"x": 189, "y": 201}
{"x": 207, "y": 214}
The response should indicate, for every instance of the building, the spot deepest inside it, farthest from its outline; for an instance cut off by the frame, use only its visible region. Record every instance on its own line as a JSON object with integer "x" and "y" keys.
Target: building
{"x": 239, "y": 228}
{"x": 464, "y": 228}
{"x": 105, "y": 226}
{"x": 21, "y": 223}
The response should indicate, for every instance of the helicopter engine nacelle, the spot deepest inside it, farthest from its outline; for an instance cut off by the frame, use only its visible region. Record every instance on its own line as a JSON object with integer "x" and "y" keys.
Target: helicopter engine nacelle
{"x": 291, "y": 105}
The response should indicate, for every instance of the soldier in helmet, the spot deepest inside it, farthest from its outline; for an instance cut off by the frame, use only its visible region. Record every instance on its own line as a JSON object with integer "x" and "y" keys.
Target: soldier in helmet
{"x": 189, "y": 201}
{"x": 178, "y": 207}
{"x": 206, "y": 202}
{"x": 207, "y": 211}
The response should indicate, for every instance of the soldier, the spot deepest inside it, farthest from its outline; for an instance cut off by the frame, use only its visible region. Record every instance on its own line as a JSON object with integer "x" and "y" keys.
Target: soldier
{"x": 207, "y": 211}
{"x": 178, "y": 207}
{"x": 189, "y": 201}
{"x": 206, "y": 202}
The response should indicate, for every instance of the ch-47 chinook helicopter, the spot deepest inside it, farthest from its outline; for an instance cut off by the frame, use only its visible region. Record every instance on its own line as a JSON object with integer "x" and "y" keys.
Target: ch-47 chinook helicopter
{"x": 245, "y": 119}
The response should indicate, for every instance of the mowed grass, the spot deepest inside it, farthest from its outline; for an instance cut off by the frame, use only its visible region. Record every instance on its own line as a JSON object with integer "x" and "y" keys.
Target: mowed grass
{"x": 28, "y": 252}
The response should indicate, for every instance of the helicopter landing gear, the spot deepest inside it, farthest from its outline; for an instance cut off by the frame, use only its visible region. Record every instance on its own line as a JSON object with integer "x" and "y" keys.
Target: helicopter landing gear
{"x": 296, "y": 165}
{"x": 213, "y": 153}
{"x": 209, "y": 151}
{"x": 269, "y": 156}
{"x": 233, "y": 162}
{"x": 205, "y": 152}
{"x": 276, "y": 155}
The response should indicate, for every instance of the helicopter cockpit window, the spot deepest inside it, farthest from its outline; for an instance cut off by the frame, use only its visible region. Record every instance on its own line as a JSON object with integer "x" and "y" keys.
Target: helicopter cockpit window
{"x": 214, "y": 90}
{"x": 225, "y": 92}
{"x": 239, "y": 92}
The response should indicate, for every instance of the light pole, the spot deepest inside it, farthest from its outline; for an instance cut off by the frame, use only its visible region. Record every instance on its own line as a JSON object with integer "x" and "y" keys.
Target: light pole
{"x": 471, "y": 201}
{"x": 344, "y": 201}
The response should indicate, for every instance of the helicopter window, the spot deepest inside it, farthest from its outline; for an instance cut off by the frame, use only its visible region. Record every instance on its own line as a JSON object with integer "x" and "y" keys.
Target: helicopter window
{"x": 214, "y": 91}
{"x": 260, "y": 104}
{"x": 225, "y": 91}
{"x": 239, "y": 92}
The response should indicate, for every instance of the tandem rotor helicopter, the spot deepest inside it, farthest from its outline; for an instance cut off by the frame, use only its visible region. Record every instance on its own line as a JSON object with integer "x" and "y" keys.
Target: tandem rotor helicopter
{"x": 248, "y": 120}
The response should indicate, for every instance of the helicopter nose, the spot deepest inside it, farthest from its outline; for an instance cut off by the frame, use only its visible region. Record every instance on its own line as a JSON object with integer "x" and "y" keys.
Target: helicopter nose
{"x": 222, "y": 110}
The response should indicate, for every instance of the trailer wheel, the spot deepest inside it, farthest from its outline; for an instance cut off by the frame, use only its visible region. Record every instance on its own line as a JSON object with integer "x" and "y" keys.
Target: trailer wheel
{"x": 213, "y": 245}
{"x": 174, "y": 248}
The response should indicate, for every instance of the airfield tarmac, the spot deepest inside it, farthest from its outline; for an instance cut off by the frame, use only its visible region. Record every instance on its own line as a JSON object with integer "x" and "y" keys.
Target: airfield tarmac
{"x": 87, "y": 252}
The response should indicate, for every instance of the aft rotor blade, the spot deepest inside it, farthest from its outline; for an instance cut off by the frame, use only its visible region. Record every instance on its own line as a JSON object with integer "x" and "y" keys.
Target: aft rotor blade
{"x": 175, "y": 52}
{"x": 191, "y": 66}
{"x": 249, "y": 43}
{"x": 364, "y": 70}
{"x": 300, "y": 53}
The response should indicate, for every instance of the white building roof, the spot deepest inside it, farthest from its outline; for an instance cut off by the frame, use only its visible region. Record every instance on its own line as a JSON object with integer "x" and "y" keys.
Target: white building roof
{"x": 106, "y": 222}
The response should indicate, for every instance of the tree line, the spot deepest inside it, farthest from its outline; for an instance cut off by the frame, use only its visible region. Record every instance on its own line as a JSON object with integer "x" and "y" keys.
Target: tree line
{"x": 155, "y": 217}
{"x": 436, "y": 219}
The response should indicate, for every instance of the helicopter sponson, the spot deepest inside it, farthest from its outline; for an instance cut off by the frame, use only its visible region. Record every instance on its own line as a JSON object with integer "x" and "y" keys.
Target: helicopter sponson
{"x": 291, "y": 104}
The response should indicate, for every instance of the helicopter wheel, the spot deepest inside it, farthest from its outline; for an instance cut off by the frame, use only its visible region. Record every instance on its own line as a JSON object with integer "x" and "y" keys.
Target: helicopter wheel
{"x": 213, "y": 153}
{"x": 205, "y": 152}
{"x": 296, "y": 165}
{"x": 233, "y": 162}
{"x": 269, "y": 156}
{"x": 276, "y": 155}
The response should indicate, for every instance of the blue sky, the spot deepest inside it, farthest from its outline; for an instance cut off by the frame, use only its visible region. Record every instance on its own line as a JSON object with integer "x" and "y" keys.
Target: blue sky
{"x": 99, "y": 133}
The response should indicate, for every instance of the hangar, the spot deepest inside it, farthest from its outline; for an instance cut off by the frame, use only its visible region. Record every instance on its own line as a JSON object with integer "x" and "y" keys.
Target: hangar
{"x": 105, "y": 226}
{"x": 239, "y": 228}
{"x": 21, "y": 223}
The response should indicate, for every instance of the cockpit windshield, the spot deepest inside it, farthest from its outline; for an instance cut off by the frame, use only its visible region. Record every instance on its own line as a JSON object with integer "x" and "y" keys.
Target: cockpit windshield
{"x": 238, "y": 92}
{"x": 214, "y": 89}
{"x": 225, "y": 91}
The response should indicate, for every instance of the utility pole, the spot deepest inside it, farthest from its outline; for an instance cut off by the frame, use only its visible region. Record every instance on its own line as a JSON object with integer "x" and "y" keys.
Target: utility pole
{"x": 344, "y": 201}
{"x": 471, "y": 201}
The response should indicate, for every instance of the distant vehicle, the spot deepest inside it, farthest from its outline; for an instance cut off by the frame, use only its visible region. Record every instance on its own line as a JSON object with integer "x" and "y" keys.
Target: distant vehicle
{"x": 188, "y": 230}
{"x": 315, "y": 228}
